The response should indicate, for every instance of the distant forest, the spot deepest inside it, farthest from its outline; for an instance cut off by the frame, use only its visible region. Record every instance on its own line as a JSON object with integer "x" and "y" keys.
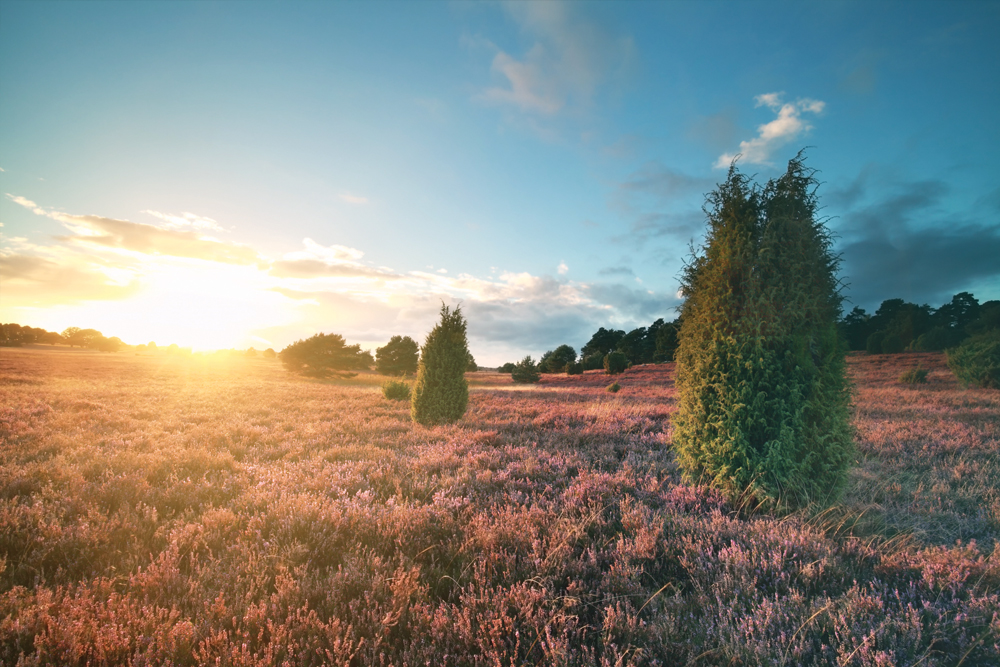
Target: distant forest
{"x": 897, "y": 326}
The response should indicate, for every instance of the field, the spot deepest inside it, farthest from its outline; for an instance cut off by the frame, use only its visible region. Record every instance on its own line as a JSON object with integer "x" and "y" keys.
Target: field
{"x": 175, "y": 510}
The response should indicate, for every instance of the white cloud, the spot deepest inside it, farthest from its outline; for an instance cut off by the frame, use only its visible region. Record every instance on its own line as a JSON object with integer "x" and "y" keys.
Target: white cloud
{"x": 353, "y": 199}
{"x": 27, "y": 203}
{"x": 788, "y": 126}
{"x": 331, "y": 254}
{"x": 186, "y": 221}
{"x": 571, "y": 58}
{"x": 563, "y": 269}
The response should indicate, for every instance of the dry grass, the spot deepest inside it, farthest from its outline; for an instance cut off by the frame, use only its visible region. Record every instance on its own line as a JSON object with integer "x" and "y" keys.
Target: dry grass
{"x": 177, "y": 510}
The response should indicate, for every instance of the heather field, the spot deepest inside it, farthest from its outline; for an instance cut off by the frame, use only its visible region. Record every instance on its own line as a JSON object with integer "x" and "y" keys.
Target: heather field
{"x": 181, "y": 510}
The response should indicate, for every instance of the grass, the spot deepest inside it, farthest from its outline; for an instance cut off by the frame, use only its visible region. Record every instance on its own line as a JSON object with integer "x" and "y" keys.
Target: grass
{"x": 179, "y": 510}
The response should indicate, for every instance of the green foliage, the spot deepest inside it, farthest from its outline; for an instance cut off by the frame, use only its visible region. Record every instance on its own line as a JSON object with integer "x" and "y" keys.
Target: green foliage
{"x": 575, "y": 368}
{"x": 593, "y": 361}
{"x": 396, "y": 390}
{"x": 874, "y": 343}
{"x": 666, "y": 342}
{"x": 525, "y": 372}
{"x": 602, "y": 342}
{"x": 914, "y": 376}
{"x": 397, "y": 357}
{"x": 472, "y": 366}
{"x": 615, "y": 363}
{"x": 976, "y": 362}
{"x": 614, "y": 387}
{"x": 507, "y": 367}
{"x": 555, "y": 361}
{"x": 937, "y": 339}
{"x": 441, "y": 392}
{"x": 892, "y": 343}
{"x": 763, "y": 395}
{"x": 325, "y": 355}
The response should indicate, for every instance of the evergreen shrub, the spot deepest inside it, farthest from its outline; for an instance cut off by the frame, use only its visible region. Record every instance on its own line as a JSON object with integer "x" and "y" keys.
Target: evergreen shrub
{"x": 575, "y": 368}
{"x": 892, "y": 344}
{"x": 914, "y": 376}
{"x": 441, "y": 393}
{"x": 874, "y": 343}
{"x": 615, "y": 362}
{"x": 614, "y": 387}
{"x": 396, "y": 390}
{"x": 525, "y": 372}
{"x": 976, "y": 362}
{"x": 763, "y": 410}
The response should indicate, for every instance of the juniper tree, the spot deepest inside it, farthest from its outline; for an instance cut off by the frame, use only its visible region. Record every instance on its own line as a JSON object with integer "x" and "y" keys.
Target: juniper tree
{"x": 763, "y": 409}
{"x": 441, "y": 393}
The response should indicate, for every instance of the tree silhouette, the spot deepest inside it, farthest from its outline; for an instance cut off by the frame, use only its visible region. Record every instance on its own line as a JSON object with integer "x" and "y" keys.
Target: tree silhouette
{"x": 325, "y": 355}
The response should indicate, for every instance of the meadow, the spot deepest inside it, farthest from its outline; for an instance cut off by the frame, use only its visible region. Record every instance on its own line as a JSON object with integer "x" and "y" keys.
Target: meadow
{"x": 174, "y": 510}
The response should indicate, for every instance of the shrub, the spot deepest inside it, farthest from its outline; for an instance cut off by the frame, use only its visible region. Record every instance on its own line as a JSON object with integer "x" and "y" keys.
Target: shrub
{"x": 472, "y": 366}
{"x": 525, "y": 372}
{"x": 325, "y": 355}
{"x": 575, "y": 368}
{"x": 269, "y": 353}
{"x": 615, "y": 363}
{"x": 937, "y": 339}
{"x": 763, "y": 410}
{"x": 507, "y": 368}
{"x": 398, "y": 357}
{"x": 874, "y": 343}
{"x": 892, "y": 344}
{"x": 593, "y": 361}
{"x": 441, "y": 392}
{"x": 976, "y": 362}
{"x": 396, "y": 390}
{"x": 614, "y": 387}
{"x": 914, "y": 376}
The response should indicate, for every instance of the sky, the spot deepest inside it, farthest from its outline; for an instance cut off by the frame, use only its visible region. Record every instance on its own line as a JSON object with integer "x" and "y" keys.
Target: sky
{"x": 245, "y": 174}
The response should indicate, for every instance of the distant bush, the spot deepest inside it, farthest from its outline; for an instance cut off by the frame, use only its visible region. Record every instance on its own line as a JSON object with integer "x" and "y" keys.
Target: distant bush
{"x": 269, "y": 353}
{"x": 396, "y": 390}
{"x": 614, "y": 387}
{"x": 575, "y": 368}
{"x": 615, "y": 363}
{"x": 914, "y": 376}
{"x": 525, "y": 372}
{"x": 937, "y": 339}
{"x": 398, "y": 357}
{"x": 976, "y": 362}
{"x": 507, "y": 368}
{"x": 251, "y": 352}
{"x": 441, "y": 392}
{"x": 593, "y": 361}
{"x": 472, "y": 366}
{"x": 325, "y": 355}
{"x": 874, "y": 343}
{"x": 892, "y": 344}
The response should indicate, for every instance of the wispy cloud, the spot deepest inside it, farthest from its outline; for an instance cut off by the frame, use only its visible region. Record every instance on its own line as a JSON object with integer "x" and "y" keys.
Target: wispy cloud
{"x": 571, "y": 58}
{"x": 788, "y": 126}
{"x": 353, "y": 199}
{"x": 26, "y": 203}
{"x": 187, "y": 221}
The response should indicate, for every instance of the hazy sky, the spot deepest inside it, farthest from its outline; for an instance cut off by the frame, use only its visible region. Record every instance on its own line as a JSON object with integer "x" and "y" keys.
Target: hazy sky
{"x": 237, "y": 174}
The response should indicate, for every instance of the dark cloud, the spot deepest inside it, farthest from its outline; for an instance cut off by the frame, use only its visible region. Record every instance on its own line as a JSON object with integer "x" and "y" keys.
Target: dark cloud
{"x": 906, "y": 245}
{"x": 616, "y": 271}
{"x": 680, "y": 227}
{"x": 637, "y": 304}
{"x": 717, "y": 132}
{"x": 661, "y": 182}
{"x": 151, "y": 240}
{"x": 314, "y": 268}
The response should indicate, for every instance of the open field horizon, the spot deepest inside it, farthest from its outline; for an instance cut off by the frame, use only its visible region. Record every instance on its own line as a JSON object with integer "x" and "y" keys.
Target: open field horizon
{"x": 182, "y": 510}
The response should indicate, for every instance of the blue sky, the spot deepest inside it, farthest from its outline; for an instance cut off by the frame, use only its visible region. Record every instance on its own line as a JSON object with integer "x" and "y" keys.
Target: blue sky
{"x": 236, "y": 174}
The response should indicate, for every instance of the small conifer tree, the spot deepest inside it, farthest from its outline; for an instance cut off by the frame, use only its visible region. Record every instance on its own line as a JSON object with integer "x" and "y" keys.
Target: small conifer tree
{"x": 763, "y": 413}
{"x": 441, "y": 393}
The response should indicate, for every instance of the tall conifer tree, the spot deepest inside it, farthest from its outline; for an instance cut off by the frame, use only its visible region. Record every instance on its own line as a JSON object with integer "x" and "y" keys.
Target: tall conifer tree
{"x": 764, "y": 400}
{"x": 441, "y": 393}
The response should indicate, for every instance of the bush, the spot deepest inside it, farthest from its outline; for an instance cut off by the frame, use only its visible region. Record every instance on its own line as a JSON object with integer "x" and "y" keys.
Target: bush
{"x": 615, "y": 363}
{"x": 914, "y": 376}
{"x": 976, "y": 362}
{"x": 441, "y": 392}
{"x": 395, "y": 390}
{"x": 269, "y": 353}
{"x": 507, "y": 368}
{"x": 398, "y": 357}
{"x": 525, "y": 372}
{"x": 874, "y": 343}
{"x": 472, "y": 366}
{"x": 325, "y": 355}
{"x": 593, "y": 361}
{"x": 614, "y": 387}
{"x": 892, "y": 344}
{"x": 575, "y": 368}
{"x": 763, "y": 411}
